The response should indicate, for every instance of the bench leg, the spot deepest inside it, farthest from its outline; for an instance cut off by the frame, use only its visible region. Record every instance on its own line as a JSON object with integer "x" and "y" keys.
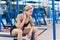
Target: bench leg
{"x": 14, "y": 39}
{"x": 32, "y": 37}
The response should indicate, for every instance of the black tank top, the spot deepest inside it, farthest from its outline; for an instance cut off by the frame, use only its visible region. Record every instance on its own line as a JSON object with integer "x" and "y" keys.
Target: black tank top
{"x": 25, "y": 25}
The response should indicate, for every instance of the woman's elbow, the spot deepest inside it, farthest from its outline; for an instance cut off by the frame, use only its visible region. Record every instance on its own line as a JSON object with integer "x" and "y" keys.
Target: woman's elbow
{"x": 17, "y": 25}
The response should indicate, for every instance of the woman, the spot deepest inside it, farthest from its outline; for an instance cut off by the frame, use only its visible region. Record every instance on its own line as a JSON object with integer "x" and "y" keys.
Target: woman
{"x": 24, "y": 24}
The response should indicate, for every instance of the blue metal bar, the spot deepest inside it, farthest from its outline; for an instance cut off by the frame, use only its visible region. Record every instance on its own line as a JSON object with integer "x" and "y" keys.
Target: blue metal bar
{"x": 42, "y": 32}
{"x": 39, "y": 22}
{"x": 58, "y": 10}
{"x": 3, "y": 23}
{"x": 1, "y": 12}
{"x": 0, "y": 16}
{"x": 23, "y": 6}
{"x": 17, "y": 6}
{"x": 48, "y": 11}
{"x": 10, "y": 12}
{"x": 25, "y": 2}
{"x": 10, "y": 1}
{"x": 0, "y": 3}
{"x": 0, "y": 22}
{"x": 54, "y": 26}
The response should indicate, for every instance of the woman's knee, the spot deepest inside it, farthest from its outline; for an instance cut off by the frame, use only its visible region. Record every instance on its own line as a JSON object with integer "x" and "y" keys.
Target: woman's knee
{"x": 35, "y": 29}
{"x": 16, "y": 31}
{"x": 19, "y": 31}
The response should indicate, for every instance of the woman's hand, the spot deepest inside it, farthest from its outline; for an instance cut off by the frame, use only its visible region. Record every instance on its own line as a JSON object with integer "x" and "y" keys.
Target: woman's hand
{"x": 24, "y": 18}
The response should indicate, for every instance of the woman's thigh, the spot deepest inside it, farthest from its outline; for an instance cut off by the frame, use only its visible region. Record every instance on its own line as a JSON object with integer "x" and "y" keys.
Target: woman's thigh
{"x": 15, "y": 32}
{"x": 26, "y": 30}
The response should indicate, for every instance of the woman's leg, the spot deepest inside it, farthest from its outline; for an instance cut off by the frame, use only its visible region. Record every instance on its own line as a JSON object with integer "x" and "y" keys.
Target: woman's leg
{"x": 34, "y": 30}
{"x": 35, "y": 33}
{"x": 18, "y": 33}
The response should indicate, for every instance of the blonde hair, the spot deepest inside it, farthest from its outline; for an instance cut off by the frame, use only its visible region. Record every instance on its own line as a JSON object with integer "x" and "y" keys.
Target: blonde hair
{"x": 28, "y": 7}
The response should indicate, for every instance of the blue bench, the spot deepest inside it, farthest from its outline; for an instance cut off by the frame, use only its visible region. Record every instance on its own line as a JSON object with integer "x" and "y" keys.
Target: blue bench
{"x": 4, "y": 34}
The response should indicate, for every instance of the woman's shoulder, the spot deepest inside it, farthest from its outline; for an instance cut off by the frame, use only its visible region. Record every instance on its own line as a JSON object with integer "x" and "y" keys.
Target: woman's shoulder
{"x": 30, "y": 18}
{"x": 19, "y": 15}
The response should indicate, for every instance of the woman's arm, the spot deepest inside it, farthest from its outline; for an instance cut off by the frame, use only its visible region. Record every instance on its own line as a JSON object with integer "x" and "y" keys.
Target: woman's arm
{"x": 32, "y": 25}
{"x": 31, "y": 22}
{"x": 20, "y": 24}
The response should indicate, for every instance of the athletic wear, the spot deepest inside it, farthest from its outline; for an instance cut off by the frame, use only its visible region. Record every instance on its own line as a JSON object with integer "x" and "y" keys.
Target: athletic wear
{"x": 25, "y": 25}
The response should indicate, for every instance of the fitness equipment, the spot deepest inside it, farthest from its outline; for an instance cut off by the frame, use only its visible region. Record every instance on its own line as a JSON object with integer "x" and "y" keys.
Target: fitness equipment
{"x": 54, "y": 24}
{"x": 24, "y": 37}
{"x": 1, "y": 12}
{"x": 10, "y": 35}
{"x": 57, "y": 14}
{"x": 38, "y": 14}
{"x": 41, "y": 14}
{"x": 10, "y": 12}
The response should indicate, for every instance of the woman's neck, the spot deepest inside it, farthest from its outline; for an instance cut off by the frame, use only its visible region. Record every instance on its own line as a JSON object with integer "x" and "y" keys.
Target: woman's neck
{"x": 27, "y": 16}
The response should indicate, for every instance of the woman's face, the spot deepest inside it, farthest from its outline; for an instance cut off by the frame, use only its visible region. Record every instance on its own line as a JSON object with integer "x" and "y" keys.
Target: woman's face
{"x": 29, "y": 12}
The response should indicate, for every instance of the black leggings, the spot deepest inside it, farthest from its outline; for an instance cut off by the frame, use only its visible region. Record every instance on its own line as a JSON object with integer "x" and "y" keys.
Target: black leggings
{"x": 14, "y": 27}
